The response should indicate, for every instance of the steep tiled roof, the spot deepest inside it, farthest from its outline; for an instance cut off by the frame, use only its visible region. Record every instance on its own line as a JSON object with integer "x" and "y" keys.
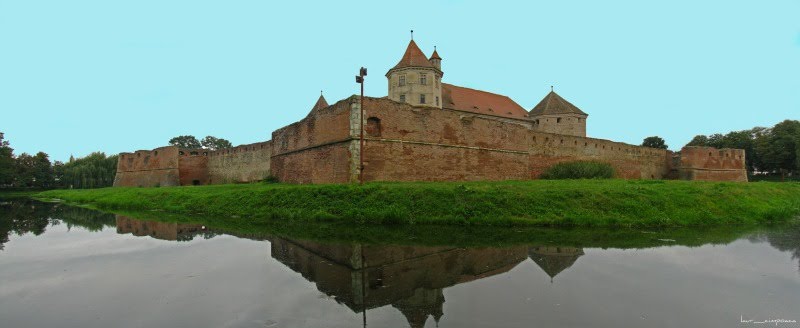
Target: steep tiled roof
{"x": 481, "y": 102}
{"x": 435, "y": 55}
{"x": 413, "y": 57}
{"x": 321, "y": 103}
{"x": 554, "y": 104}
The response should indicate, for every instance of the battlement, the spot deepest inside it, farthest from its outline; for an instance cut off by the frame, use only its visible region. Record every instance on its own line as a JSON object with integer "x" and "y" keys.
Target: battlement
{"x": 707, "y": 163}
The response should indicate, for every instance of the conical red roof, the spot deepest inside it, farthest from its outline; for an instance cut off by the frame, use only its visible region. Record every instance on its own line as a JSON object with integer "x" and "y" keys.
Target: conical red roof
{"x": 413, "y": 58}
{"x": 321, "y": 103}
{"x": 435, "y": 55}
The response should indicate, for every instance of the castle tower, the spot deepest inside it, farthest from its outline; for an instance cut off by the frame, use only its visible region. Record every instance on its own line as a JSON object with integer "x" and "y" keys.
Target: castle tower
{"x": 321, "y": 103}
{"x": 555, "y": 115}
{"x": 416, "y": 80}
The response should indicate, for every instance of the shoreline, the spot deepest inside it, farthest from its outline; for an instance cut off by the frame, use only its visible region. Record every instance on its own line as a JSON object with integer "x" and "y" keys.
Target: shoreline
{"x": 567, "y": 203}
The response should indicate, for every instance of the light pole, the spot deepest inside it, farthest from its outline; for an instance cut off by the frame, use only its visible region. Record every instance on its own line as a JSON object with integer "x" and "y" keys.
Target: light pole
{"x": 360, "y": 80}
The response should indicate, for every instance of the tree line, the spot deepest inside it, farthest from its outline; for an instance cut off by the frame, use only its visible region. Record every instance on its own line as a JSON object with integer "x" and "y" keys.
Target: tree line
{"x": 37, "y": 171}
{"x": 93, "y": 171}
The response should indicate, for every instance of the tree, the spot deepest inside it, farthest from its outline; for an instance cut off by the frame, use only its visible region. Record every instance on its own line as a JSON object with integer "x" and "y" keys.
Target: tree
{"x": 654, "y": 142}
{"x": 7, "y": 165}
{"x": 93, "y": 171}
{"x": 42, "y": 171}
{"x": 24, "y": 164}
{"x": 698, "y": 140}
{"x": 779, "y": 147}
{"x": 187, "y": 141}
{"x": 214, "y": 143}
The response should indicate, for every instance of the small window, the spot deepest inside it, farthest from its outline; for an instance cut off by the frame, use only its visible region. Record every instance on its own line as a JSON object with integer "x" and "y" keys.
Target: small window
{"x": 423, "y": 79}
{"x": 437, "y": 100}
{"x": 402, "y": 81}
{"x": 373, "y": 128}
{"x": 194, "y": 153}
{"x": 421, "y": 99}
{"x": 437, "y": 82}
{"x": 180, "y": 152}
{"x": 558, "y": 120}
{"x": 402, "y": 98}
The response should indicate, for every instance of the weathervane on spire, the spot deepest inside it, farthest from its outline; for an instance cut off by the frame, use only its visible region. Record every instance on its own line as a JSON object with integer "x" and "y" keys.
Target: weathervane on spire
{"x": 412, "y": 35}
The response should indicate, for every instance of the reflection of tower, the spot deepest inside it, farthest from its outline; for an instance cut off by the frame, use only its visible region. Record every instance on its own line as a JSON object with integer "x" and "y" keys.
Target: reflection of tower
{"x": 409, "y": 278}
{"x": 553, "y": 259}
{"x": 423, "y": 303}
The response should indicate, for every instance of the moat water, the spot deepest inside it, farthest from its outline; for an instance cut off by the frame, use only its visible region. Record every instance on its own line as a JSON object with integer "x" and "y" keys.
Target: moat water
{"x": 71, "y": 267}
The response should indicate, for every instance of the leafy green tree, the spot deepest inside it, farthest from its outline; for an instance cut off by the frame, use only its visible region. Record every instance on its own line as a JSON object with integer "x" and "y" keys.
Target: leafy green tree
{"x": 93, "y": 171}
{"x": 42, "y": 171}
{"x": 779, "y": 147}
{"x": 187, "y": 141}
{"x": 24, "y": 173}
{"x": 214, "y": 143}
{"x": 698, "y": 140}
{"x": 654, "y": 142}
{"x": 7, "y": 165}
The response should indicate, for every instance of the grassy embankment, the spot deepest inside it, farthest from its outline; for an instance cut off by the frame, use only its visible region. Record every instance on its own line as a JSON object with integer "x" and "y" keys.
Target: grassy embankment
{"x": 591, "y": 203}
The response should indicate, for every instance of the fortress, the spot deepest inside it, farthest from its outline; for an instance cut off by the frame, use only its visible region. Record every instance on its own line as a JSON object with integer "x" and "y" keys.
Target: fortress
{"x": 424, "y": 130}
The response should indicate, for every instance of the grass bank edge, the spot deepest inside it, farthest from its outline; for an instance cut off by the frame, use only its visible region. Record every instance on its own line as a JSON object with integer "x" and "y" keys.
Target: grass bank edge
{"x": 587, "y": 203}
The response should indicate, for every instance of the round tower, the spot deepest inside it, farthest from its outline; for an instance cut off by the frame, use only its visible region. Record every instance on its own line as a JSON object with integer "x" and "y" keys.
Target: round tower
{"x": 416, "y": 80}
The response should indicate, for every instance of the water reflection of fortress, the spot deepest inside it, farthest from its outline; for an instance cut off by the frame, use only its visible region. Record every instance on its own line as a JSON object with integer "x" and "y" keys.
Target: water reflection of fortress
{"x": 363, "y": 277}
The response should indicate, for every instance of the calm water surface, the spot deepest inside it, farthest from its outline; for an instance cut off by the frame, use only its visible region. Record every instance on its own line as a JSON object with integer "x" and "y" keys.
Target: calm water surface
{"x": 68, "y": 267}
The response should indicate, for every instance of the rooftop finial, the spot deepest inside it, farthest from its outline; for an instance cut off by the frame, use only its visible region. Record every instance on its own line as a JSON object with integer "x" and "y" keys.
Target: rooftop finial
{"x": 320, "y": 92}
{"x": 551, "y": 88}
{"x": 412, "y": 35}
{"x": 434, "y": 48}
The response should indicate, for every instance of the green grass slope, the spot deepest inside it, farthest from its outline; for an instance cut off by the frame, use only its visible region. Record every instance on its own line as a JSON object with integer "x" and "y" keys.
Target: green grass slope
{"x": 591, "y": 203}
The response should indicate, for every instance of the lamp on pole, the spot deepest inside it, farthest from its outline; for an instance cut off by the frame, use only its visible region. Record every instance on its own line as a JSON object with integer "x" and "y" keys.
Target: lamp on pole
{"x": 360, "y": 80}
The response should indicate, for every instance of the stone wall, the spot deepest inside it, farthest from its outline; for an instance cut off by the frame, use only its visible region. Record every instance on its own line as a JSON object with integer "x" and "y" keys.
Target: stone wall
{"x": 413, "y": 143}
{"x": 569, "y": 124}
{"x": 148, "y": 168}
{"x": 316, "y": 149}
{"x": 193, "y": 167}
{"x": 706, "y": 163}
{"x": 407, "y": 143}
{"x": 241, "y": 164}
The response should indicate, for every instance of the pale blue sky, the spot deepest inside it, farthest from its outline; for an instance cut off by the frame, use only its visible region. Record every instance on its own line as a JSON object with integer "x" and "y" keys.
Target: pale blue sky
{"x": 79, "y": 76}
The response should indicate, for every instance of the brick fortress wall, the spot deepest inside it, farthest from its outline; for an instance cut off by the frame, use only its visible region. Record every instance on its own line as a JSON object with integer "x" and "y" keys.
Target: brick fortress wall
{"x": 240, "y": 164}
{"x": 318, "y": 148}
{"x": 705, "y": 163}
{"x": 407, "y": 143}
{"x": 148, "y": 168}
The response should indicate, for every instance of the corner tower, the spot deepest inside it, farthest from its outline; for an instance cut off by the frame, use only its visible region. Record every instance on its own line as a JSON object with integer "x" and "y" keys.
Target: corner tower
{"x": 555, "y": 115}
{"x": 416, "y": 80}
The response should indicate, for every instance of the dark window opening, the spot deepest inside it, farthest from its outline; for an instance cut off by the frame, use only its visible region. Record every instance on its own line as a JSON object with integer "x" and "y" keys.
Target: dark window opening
{"x": 402, "y": 98}
{"x": 558, "y": 120}
{"x": 194, "y": 153}
{"x": 373, "y": 128}
{"x": 421, "y": 99}
{"x": 195, "y": 182}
